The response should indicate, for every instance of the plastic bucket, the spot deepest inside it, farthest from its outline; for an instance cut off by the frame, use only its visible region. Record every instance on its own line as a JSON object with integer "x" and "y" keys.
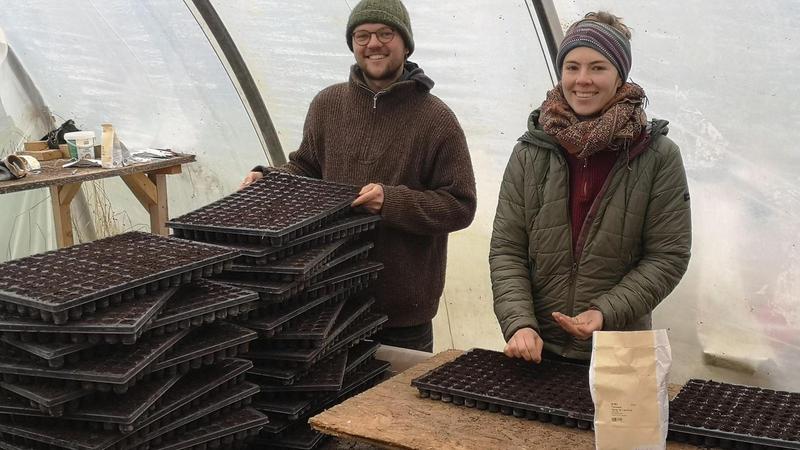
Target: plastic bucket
{"x": 81, "y": 144}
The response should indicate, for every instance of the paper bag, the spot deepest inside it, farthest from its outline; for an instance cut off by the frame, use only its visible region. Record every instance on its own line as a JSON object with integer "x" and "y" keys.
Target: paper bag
{"x": 628, "y": 382}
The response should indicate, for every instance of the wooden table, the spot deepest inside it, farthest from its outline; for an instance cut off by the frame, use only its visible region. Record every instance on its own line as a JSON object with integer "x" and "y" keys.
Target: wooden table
{"x": 147, "y": 181}
{"x": 393, "y": 415}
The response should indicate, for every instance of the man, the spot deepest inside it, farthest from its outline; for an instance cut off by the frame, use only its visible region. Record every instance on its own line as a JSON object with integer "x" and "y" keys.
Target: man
{"x": 383, "y": 130}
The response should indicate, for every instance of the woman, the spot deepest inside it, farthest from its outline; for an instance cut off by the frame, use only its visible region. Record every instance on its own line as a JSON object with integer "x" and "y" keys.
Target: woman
{"x": 593, "y": 226}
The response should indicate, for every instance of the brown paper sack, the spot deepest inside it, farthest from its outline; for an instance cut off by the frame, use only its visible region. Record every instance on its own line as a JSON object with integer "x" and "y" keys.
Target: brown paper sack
{"x": 628, "y": 381}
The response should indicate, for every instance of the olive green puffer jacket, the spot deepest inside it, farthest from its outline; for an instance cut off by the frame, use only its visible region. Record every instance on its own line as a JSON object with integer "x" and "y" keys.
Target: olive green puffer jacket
{"x": 637, "y": 240}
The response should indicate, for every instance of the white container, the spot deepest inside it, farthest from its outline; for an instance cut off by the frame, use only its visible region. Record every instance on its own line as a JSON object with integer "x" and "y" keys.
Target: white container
{"x": 81, "y": 144}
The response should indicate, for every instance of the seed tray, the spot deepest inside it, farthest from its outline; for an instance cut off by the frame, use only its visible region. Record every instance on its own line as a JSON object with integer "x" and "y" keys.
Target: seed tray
{"x": 268, "y": 291}
{"x": 301, "y": 265}
{"x": 282, "y": 409}
{"x": 202, "y": 302}
{"x": 110, "y": 409}
{"x": 483, "y": 379}
{"x": 229, "y": 430}
{"x": 273, "y": 211}
{"x": 327, "y": 375}
{"x": 121, "y": 323}
{"x": 728, "y": 415}
{"x": 359, "y": 354}
{"x": 221, "y": 402}
{"x": 50, "y": 398}
{"x": 110, "y": 368}
{"x": 359, "y": 273}
{"x": 310, "y": 329}
{"x": 270, "y": 321}
{"x": 346, "y": 227}
{"x": 54, "y": 354}
{"x": 201, "y": 344}
{"x": 32, "y": 432}
{"x": 299, "y": 436}
{"x": 194, "y": 388}
{"x": 122, "y": 267}
{"x": 353, "y": 309}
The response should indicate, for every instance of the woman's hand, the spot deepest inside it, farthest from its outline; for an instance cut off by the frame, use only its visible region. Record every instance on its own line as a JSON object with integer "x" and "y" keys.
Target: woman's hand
{"x": 250, "y": 179}
{"x": 525, "y": 344}
{"x": 370, "y": 198}
{"x": 581, "y": 326}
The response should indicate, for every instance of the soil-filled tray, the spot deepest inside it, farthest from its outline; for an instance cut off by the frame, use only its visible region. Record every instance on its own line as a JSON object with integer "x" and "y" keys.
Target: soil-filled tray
{"x": 347, "y": 227}
{"x": 352, "y": 310}
{"x": 326, "y": 375}
{"x": 120, "y": 323}
{"x": 121, "y": 410}
{"x": 50, "y": 398}
{"x": 110, "y": 367}
{"x": 484, "y": 379}
{"x": 231, "y": 430}
{"x": 205, "y": 345}
{"x": 45, "y": 287}
{"x": 301, "y": 265}
{"x": 201, "y": 303}
{"x": 31, "y": 432}
{"x": 273, "y": 211}
{"x": 712, "y": 414}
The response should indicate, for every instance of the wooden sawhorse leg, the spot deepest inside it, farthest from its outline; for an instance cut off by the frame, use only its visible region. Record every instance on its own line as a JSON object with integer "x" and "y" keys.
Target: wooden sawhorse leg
{"x": 61, "y": 198}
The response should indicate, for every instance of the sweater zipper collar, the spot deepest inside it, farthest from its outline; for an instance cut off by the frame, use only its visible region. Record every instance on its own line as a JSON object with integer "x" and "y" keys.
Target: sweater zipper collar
{"x": 380, "y": 93}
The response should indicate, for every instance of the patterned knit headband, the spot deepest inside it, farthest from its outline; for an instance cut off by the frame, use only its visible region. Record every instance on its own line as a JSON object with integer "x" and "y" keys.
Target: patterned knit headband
{"x": 601, "y": 37}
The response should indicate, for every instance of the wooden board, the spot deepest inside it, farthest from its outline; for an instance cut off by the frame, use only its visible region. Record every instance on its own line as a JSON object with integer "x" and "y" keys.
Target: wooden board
{"x": 54, "y": 175}
{"x": 392, "y": 415}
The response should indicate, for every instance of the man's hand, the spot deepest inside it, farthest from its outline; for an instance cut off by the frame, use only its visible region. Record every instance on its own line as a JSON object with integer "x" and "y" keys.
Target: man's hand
{"x": 250, "y": 179}
{"x": 581, "y": 326}
{"x": 370, "y": 198}
{"x": 525, "y": 344}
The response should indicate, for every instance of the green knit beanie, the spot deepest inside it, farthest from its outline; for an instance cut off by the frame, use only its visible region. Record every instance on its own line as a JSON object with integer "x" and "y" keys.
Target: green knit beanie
{"x": 390, "y": 12}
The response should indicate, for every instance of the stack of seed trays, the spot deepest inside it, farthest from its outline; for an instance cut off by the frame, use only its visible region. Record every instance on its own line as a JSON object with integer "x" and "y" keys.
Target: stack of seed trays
{"x": 108, "y": 361}
{"x": 339, "y": 377}
{"x": 551, "y": 391}
{"x": 298, "y": 240}
{"x": 714, "y": 414}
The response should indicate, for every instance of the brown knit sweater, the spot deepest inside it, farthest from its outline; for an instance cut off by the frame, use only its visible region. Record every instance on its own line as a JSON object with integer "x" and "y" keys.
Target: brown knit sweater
{"x": 409, "y": 141}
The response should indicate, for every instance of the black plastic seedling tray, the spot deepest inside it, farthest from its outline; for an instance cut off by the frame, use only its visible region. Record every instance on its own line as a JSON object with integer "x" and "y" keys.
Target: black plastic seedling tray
{"x": 270, "y": 321}
{"x": 310, "y": 329}
{"x": 359, "y": 354}
{"x": 326, "y": 375}
{"x": 272, "y": 211}
{"x": 201, "y": 303}
{"x": 194, "y": 387}
{"x": 352, "y": 310}
{"x": 223, "y": 402}
{"x": 111, "y": 409}
{"x": 345, "y": 276}
{"x": 269, "y": 291}
{"x": 31, "y": 432}
{"x": 550, "y": 391}
{"x": 44, "y": 286}
{"x": 726, "y": 415}
{"x": 121, "y": 323}
{"x": 206, "y": 345}
{"x": 298, "y": 436}
{"x": 50, "y": 398}
{"x": 282, "y": 409}
{"x": 55, "y": 354}
{"x": 301, "y": 265}
{"x": 116, "y": 369}
{"x": 226, "y": 431}
{"x": 348, "y": 227}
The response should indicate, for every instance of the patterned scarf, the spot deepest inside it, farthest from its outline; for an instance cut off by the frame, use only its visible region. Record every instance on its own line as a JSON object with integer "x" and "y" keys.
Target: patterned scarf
{"x": 621, "y": 121}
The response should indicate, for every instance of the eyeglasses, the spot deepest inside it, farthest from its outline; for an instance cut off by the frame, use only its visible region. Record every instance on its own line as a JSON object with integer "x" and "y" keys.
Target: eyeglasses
{"x": 384, "y": 35}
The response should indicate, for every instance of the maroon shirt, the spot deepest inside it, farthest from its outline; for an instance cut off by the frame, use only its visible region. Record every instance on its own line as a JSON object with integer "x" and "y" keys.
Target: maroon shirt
{"x": 587, "y": 177}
